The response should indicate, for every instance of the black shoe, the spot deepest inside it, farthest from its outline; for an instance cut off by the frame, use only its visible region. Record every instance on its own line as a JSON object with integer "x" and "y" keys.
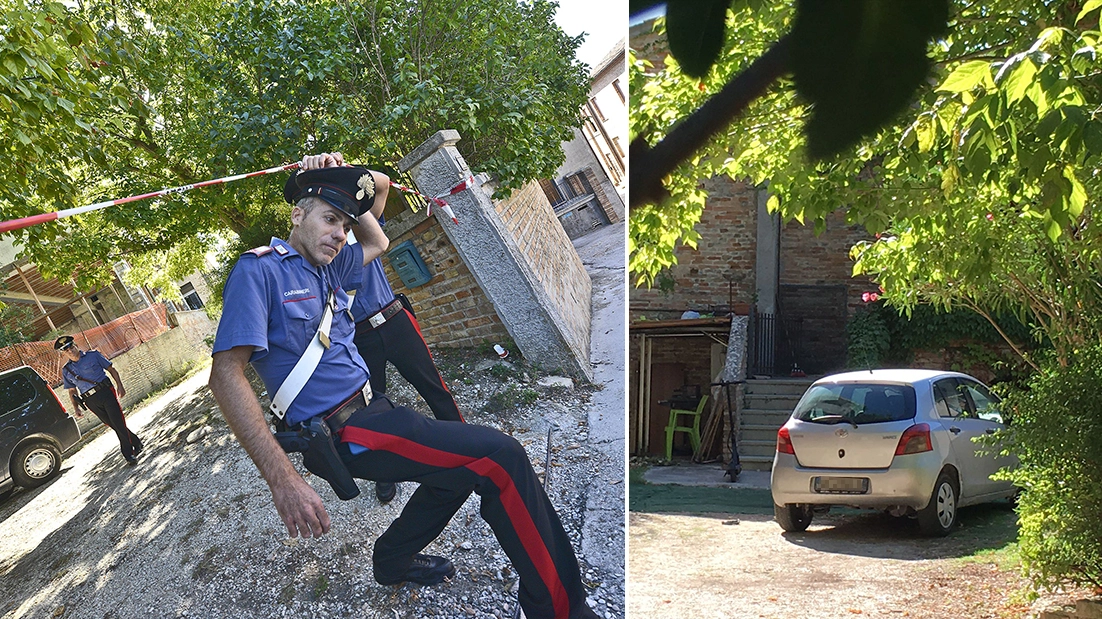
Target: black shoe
{"x": 423, "y": 570}
{"x": 131, "y": 460}
{"x": 137, "y": 451}
{"x": 385, "y": 491}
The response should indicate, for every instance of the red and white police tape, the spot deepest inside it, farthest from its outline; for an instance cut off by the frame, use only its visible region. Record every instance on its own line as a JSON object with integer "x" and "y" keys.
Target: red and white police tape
{"x": 26, "y": 222}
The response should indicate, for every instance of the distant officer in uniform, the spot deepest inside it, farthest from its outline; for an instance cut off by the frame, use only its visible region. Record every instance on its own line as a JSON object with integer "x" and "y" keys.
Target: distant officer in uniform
{"x": 274, "y": 301}
{"x": 85, "y": 376}
{"x": 387, "y": 331}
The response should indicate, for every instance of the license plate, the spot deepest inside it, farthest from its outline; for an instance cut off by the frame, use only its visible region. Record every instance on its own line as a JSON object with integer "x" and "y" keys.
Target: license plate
{"x": 841, "y": 485}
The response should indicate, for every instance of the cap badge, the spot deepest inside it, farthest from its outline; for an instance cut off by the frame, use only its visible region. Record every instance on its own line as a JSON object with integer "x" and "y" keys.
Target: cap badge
{"x": 367, "y": 187}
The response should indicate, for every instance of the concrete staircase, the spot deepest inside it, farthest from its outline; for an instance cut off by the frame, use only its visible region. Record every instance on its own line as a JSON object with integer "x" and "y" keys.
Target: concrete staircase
{"x": 767, "y": 404}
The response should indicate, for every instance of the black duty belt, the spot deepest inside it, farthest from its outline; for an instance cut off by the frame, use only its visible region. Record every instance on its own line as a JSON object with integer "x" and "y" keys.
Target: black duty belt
{"x": 376, "y": 320}
{"x": 339, "y": 417}
{"x": 96, "y": 388}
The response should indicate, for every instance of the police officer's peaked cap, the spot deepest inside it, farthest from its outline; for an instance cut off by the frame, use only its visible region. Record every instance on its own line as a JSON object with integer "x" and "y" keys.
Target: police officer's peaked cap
{"x": 63, "y": 341}
{"x": 350, "y": 189}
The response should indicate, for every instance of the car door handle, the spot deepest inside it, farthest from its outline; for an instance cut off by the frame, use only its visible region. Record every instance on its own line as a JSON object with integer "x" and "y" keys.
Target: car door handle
{"x": 954, "y": 430}
{"x": 990, "y": 430}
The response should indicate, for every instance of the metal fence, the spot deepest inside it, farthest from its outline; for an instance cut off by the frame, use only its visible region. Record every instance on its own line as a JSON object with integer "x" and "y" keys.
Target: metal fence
{"x": 111, "y": 339}
{"x": 775, "y": 344}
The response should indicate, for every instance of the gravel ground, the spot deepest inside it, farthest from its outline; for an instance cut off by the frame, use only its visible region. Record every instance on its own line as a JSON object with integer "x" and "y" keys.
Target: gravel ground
{"x": 743, "y": 566}
{"x": 191, "y": 531}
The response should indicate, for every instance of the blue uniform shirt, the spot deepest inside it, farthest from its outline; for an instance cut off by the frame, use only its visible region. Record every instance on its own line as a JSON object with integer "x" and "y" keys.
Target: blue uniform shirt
{"x": 91, "y": 366}
{"x": 273, "y": 302}
{"x": 374, "y": 293}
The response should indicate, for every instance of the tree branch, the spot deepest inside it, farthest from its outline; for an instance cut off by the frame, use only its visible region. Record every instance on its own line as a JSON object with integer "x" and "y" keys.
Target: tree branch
{"x": 650, "y": 165}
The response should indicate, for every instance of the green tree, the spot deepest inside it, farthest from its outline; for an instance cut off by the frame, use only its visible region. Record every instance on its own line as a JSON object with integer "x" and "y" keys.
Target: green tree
{"x": 158, "y": 94}
{"x": 961, "y": 134}
{"x": 979, "y": 192}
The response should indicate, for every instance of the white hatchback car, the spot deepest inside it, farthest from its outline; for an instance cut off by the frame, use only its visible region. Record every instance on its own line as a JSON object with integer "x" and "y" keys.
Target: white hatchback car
{"x": 897, "y": 440}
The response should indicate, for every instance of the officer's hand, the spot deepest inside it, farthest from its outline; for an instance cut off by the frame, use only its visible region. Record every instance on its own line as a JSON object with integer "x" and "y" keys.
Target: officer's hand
{"x": 300, "y": 508}
{"x": 122, "y": 391}
{"x": 324, "y": 160}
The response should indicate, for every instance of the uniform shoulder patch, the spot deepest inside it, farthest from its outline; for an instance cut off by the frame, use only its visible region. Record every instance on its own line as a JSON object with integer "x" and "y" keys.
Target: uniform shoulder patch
{"x": 260, "y": 251}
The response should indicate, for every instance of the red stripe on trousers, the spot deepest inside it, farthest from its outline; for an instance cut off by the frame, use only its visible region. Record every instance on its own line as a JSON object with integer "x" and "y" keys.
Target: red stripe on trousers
{"x": 416, "y": 326}
{"x": 514, "y": 506}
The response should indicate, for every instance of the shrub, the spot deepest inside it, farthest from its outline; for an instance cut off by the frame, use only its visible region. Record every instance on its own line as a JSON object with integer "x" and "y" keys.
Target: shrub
{"x": 867, "y": 339}
{"x": 1057, "y": 435}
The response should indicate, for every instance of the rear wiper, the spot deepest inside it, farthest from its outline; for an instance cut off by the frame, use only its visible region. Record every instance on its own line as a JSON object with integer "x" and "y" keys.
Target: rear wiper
{"x": 834, "y": 419}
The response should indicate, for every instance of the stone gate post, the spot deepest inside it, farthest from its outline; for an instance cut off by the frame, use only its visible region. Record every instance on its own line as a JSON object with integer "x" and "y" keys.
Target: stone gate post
{"x": 549, "y": 323}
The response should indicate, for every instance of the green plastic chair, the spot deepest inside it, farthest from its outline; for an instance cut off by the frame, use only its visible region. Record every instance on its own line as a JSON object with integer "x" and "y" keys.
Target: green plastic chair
{"x": 693, "y": 430}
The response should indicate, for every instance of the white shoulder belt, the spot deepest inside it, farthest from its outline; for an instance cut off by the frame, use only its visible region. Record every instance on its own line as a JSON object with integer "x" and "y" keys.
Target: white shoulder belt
{"x": 307, "y": 363}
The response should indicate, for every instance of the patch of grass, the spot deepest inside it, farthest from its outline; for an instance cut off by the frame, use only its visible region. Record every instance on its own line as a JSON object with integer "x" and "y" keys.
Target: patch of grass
{"x": 503, "y": 372}
{"x": 510, "y": 398}
{"x": 287, "y": 594}
{"x": 993, "y": 529}
{"x": 240, "y": 498}
{"x": 321, "y": 585}
{"x": 223, "y": 512}
{"x": 635, "y": 475}
{"x": 172, "y": 379}
{"x": 675, "y": 499}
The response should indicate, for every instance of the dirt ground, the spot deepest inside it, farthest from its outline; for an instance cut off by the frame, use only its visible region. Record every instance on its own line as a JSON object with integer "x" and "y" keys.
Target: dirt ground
{"x": 743, "y": 566}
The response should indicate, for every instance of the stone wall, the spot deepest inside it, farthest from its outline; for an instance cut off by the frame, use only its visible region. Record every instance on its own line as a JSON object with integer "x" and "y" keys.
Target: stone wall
{"x": 452, "y": 310}
{"x": 519, "y": 255}
{"x": 549, "y": 253}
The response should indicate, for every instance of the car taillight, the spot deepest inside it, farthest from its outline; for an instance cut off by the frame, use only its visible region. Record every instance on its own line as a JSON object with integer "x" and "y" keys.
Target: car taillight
{"x": 784, "y": 442}
{"x": 915, "y": 439}
{"x": 58, "y": 400}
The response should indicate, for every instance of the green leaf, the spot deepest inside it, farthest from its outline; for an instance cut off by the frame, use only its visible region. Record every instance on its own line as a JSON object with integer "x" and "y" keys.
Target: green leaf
{"x": 1090, "y": 5}
{"x": 1076, "y": 199}
{"x": 1019, "y": 80}
{"x": 695, "y": 32}
{"x": 859, "y": 62}
{"x": 967, "y": 76}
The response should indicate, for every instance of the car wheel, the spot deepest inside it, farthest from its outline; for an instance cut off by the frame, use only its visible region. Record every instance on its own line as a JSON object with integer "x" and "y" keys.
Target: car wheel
{"x": 35, "y": 464}
{"x": 793, "y": 517}
{"x": 940, "y": 514}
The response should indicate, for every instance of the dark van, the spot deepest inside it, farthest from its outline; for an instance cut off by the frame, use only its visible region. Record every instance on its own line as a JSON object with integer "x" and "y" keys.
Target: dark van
{"x": 34, "y": 430}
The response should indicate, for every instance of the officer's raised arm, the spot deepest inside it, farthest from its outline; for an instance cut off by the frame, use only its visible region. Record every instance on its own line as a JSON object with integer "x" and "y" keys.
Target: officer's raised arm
{"x": 298, "y": 504}
{"x": 370, "y": 233}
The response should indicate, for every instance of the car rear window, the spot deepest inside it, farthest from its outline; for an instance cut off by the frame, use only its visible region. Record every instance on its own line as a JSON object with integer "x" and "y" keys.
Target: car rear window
{"x": 856, "y": 403}
{"x": 15, "y": 392}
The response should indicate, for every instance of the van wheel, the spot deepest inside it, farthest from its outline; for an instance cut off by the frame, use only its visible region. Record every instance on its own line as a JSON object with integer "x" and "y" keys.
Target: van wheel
{"x": 940, "y": 514}
{"x": 35, "y": 464}
{"x": 793, "y": 517}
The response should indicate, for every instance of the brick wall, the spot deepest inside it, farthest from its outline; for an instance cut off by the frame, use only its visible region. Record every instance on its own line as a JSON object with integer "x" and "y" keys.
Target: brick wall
{"x": 452, "y": 310}
{"x": 602, "y": 195}
{"x": 807, "y": 259}
{"x": 727, "y": 247}
{"x": 692, "y": 352}
{"x": 549, "y": 253}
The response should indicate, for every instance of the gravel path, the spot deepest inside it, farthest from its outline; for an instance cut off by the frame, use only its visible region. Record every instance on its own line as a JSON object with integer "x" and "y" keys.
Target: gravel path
{"x": 191, "y": 530}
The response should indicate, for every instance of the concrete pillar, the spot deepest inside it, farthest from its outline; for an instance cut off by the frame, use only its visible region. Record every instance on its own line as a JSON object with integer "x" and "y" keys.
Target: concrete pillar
{"x": 491, "y": 254}
{"x": 768, "y": 259}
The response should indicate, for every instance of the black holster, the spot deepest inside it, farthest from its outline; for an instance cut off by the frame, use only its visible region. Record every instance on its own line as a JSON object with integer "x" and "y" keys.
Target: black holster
{"x": 404, "y": 300}
{"x": 319, "y": 454}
